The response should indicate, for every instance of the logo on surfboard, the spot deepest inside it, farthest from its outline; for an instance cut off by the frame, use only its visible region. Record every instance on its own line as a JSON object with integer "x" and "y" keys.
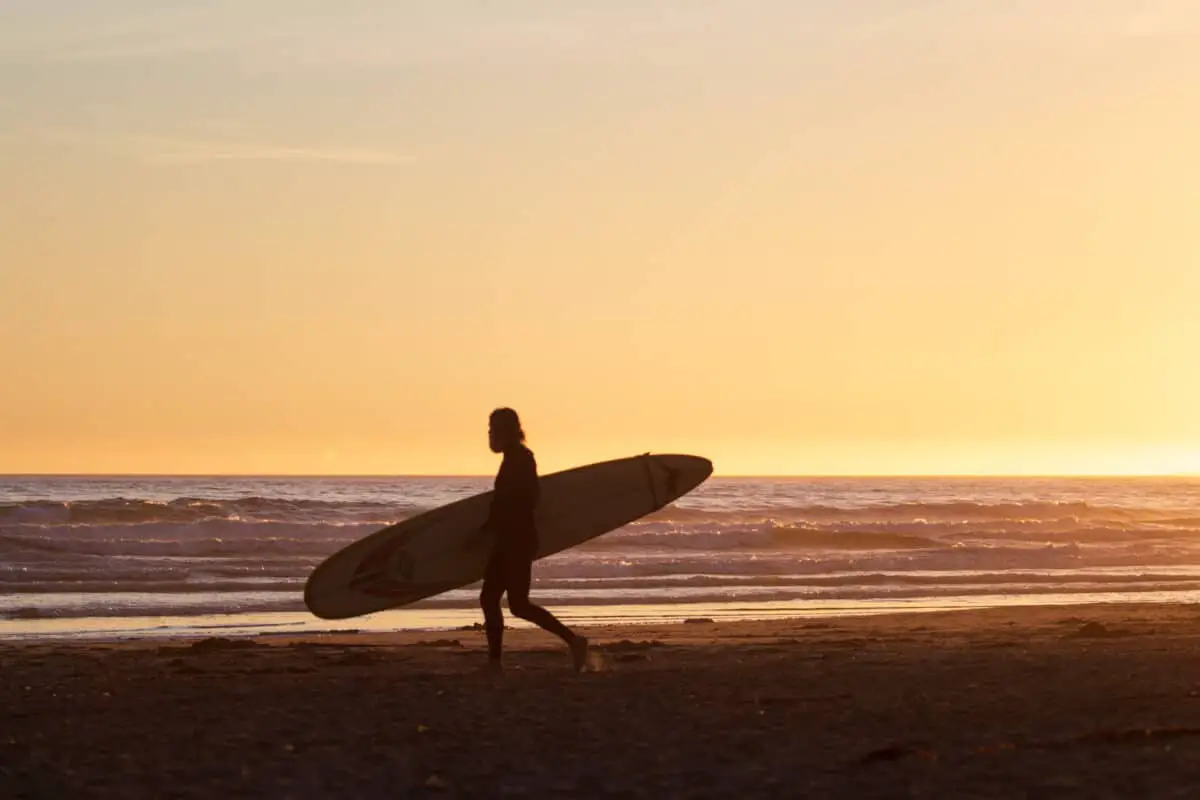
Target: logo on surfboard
{"x": 386, "y": 571}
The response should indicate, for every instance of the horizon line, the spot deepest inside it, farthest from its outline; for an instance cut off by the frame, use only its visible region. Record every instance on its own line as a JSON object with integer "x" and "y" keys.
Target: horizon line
{"x": 732, "y": 475}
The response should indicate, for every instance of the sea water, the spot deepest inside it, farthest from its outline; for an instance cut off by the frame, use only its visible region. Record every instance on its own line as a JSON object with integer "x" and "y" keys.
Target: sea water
{"x": 126, "y": 556}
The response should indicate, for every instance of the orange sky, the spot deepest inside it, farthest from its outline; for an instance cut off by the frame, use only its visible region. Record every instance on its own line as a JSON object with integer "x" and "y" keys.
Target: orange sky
{"x": 795, "y": 237}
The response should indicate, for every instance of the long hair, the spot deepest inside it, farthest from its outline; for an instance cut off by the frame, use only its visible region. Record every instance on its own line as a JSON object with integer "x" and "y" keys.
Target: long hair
{"x": 506, "y": 419}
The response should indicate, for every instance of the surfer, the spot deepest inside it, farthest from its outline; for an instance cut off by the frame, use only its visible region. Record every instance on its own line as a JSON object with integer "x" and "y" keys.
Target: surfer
{"x": 511, "y": 520}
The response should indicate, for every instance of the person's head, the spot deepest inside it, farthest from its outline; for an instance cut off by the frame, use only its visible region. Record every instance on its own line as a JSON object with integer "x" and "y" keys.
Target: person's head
{"x": 504, "y": 430}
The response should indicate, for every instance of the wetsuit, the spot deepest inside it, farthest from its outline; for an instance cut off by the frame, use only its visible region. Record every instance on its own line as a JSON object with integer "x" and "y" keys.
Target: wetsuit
{"x": 510, "y": 566}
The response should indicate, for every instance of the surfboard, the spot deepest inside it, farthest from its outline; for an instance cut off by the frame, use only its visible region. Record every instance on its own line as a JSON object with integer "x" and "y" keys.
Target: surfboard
{"x": 443, "y": 549}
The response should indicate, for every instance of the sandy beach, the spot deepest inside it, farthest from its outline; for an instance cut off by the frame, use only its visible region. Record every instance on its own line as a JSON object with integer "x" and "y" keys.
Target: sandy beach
{"x": 1095, "y": 701}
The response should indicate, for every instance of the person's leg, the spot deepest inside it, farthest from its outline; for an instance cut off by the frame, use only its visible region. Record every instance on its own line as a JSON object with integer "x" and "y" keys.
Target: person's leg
{"x": 489, "y": 600}
{"x": 518, "y": 577}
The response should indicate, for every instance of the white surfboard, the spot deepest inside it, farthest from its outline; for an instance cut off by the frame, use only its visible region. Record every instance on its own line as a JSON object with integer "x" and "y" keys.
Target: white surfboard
{"x": 442, "y": 549}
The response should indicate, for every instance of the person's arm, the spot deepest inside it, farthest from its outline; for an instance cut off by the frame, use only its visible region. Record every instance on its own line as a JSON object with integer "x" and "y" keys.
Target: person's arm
{"x": 516, "y": 493}
{"x": 524, "y": 494}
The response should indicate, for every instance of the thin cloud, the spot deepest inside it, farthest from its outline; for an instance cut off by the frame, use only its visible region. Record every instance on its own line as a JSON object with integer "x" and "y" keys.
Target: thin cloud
{"x": 158, "y": 150}
{"x": 163, "y": 150}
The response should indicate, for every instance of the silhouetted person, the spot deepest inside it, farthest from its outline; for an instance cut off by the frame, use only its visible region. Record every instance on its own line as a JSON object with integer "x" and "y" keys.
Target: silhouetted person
{"x": 511, "y": 518}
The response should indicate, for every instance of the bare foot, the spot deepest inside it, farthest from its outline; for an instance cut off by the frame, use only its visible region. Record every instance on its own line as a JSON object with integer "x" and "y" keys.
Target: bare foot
{"x": 579, "y": 650}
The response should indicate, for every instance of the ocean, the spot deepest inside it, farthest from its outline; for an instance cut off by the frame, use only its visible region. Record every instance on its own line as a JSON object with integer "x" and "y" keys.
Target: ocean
{"x": 125, "y": 557}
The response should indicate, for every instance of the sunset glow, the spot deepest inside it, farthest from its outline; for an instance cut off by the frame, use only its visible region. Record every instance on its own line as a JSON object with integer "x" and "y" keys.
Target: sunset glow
{"x": 793, "y": 237}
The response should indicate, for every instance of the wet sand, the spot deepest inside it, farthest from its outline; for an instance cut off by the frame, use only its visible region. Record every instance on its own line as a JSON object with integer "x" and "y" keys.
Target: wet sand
{"x": 1085, "y": 701}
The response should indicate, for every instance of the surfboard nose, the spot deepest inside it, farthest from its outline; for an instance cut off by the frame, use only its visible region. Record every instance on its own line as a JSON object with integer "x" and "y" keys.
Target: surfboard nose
{"x": 686, "y": 471}
{"x": 697, "y": 465}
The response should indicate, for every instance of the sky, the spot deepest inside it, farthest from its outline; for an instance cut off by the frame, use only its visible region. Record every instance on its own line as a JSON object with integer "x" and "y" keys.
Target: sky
{"x": 796, "y": 237}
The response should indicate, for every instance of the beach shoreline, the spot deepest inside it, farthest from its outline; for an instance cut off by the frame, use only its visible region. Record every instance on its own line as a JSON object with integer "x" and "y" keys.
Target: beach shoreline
{"x": 1067, "y": 700}
{"x": 432, "y": 617}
